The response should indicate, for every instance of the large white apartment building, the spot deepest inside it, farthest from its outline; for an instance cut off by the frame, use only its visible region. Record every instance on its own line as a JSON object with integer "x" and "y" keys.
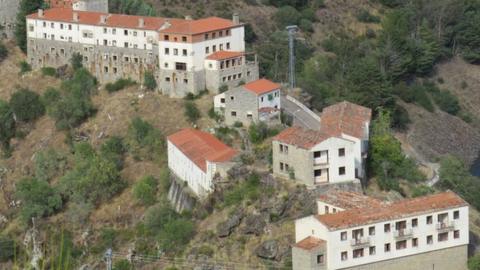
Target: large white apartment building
{"x": 196, "y": 157}
{"x": 353, "y": 231}
{"x": 186, "y": 55}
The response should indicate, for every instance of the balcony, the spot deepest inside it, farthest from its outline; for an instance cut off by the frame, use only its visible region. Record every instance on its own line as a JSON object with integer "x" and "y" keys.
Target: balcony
{"x": 321, "y": 161}
{"x": 445, "y": 226}
{"x": 360, "y": 242}
{"x": 403, "y": 234}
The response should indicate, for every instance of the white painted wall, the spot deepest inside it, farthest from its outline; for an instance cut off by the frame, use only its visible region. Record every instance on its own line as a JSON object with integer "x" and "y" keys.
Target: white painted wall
{"x": 335, "y": 161}
{"x": 263, "y": 101}
{"x": 321, "y": 208}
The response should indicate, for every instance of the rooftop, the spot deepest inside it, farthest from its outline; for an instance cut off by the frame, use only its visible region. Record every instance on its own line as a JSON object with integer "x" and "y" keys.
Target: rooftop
{"x": 391, "y": 210}
{"x": 345, "y": 117}
{"x": 163, "y": 25}
{"x": 261, "y": 86}
{"x": 303, "y": 138}
{"x": 201, "y": 147}
{"x": 349, "y": 200}
{"x": 221, "y": 55}
{"x": 309, "y": 243}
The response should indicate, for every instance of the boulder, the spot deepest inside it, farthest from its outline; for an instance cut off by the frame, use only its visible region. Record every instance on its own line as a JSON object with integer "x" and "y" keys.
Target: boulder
{"x": 268, "y": 250}
{"x": 224, "y": 229}
{"x": 254, "y": 224}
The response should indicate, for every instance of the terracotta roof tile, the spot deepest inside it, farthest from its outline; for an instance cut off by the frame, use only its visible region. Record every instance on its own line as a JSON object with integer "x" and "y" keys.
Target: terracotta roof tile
{"x": 349, "y": 200}
{"x": 345, "y": 117}
{"x": 221, "y": 55}
{"x": 200, "y": 147}
{"x": 303, "y": 138}
{"x": 180, "y": 26}
{"x": 309, "y": 243}
{"x": 261, "y": 86}
{"x": 391, "y": 210}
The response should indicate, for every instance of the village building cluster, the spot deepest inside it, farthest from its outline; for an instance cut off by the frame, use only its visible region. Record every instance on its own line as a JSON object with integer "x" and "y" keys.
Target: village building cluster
{"x": 349, "y": 230}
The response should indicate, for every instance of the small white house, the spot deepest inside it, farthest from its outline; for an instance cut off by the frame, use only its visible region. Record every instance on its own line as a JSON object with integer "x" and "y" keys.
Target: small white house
{"x": 196, "y": 157}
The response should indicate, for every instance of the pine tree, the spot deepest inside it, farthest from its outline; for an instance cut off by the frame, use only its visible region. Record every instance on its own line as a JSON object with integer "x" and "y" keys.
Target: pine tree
{"x": 428, "y": 50}
{"x": 26, "y": 7}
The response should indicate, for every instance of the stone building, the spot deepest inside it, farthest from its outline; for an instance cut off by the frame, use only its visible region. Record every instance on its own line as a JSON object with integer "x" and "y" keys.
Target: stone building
{"x": 114, "y": 46}
{"x": 355, "y": 232}
{"x": 257, "y": 101}
{"x": 81, "y": 5}
{"x": 8, "y": 17}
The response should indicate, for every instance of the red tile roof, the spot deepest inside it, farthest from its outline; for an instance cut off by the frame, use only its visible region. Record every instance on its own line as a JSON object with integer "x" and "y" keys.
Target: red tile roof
{"x": 200, "y": 147}
{"x": 309, "y": 243}
{"x": 181, "y": 26}
{"x": 261, "y": 86}
{"x": 345, "y": 117}
{"x": 391, "y": 210}
{"x": 221, "y": 55}
{"x": 303, "y": 138}
{"x": 349, "y": 200}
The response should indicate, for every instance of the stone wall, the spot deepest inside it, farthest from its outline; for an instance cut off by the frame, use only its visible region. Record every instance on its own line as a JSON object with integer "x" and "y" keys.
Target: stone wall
{"x": 243, "y": 102}
{"x": 216, "y": 78}
{"x": 299, "y": 160}
{"x": 8, "y": 17}
{"x": 176, "y": 83}
{"x": 307, "y": 259}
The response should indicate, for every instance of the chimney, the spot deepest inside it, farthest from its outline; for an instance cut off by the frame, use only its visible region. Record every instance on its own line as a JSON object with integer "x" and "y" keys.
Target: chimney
{"x": 166, "y": 24}
{"x": 188, "y": 18}
{"x": 103, "y": 19}
{"x": 236, "y": 18}
{"x": 141, "y": 22}
{"x": 75, "y": 17}
{"x": 40, "y": 13}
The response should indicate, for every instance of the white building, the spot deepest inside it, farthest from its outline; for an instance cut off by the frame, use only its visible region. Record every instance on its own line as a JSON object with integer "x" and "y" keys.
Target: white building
{"x": 313, "y": 157}
{"x": 196, "y": 157}
{"x": 352, "y": 231}
{"x": 116, "y": 46}
{"x": 257, "y": 101}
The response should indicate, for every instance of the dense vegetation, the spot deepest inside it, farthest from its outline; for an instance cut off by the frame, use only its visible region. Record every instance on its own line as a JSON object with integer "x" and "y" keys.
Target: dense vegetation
{"x": 26, "y": 7}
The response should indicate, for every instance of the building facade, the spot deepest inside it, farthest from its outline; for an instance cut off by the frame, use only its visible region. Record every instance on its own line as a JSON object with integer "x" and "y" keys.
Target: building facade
{"x": 81, "y": 5}
{"x": 118, "y": 46}
{"x": 196, "y": 157}
{"x": 8, "y": 17}
{"x": 430, "y": 232}
{"x": 254, "y": 102}
{"x": 312, "y": 157}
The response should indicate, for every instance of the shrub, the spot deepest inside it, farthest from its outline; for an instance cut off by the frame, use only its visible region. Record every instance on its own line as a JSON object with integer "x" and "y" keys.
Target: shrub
{"x": 145, "y": 141}
{"x": 76, "y": 61}
{"x": 3, "y": 52}
{"x": 176, "y": 234}
{"x": 48, "y": 164}
{"x": 238, "y": 124}
{"x": 157, "y": 216}
{"x": 206, "y": 250}
{"x": 119, "y": 85}
{"x": 287, "y": 15}
{"x": 38, "y": 198}
{"x": 365, "y": 16}
{"x": 25, "y": 67}
{"x": 26, "y": 105}
{"x": 123, "y": 264}
{"x": 192, "y": 112}
{"x": 145, "y": 190}
{"x": 422, "y": 190}
{"x": 50, "y": 97}
{"x": 259, "y": 132}
{"x": 248, "y": 189}
{"x": 7, "y": 124}
{"x": 474, "y": 262}
{"x": 189, "y": 96}
{"x": 113, "y": 150}
{"x": 8, "y": 248}
{"x": 49, "y": 71}
{"x": 306, "y": 25}
{"x": 447, "y": 102}
{"x": 149, "y": 81}
{"x": 214, "y": 115}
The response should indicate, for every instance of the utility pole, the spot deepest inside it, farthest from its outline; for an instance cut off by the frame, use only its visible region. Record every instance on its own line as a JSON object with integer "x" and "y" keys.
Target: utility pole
{"x": 292, "y": 29}
{"x": 108, "y": 258}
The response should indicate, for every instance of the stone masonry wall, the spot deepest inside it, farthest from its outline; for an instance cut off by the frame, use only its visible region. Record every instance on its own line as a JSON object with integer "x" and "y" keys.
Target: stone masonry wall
{"x": 307, "y": 260}
{"x": 243, "y": 102}
{"x": 8, "y": 17}
{"x": 298, "y": 159}
{"x": 215, "y": 78}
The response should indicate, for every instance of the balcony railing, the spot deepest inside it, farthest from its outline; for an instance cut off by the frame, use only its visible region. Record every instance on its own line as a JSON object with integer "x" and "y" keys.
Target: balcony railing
{"x": 403, "y": 233}
{"x": 320, "y": 161}
{"x": 445, "y": 226}
{"x": 360, "y": 242}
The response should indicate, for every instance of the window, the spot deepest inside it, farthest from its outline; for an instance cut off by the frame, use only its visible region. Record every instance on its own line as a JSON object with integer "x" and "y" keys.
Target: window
{"x": 220, "y": 47}
{"x": 114, "y": 57}
{"x": 220, "y": 34}
{"x": 232, "y": 98}
{"x": 222, "y": 100}
{"x": 180, "y": 66}
{"x": 387, "y": 247}
{"x": 184, "y": 39}
{"x": 227, "y": 32}
{"x": 228, "y": 45}
{"x": 214, "y": 48}
{"x": 52, "y": 25}
{"x": 166, "y": 37}
{"x": 415, "y": 242}
{"x": 167, "y": 79}
{"x": 456, "y": 214}
{"x": 44, "y": 24}
{"x": 167, "y": 51}
{"x": 284, "y": 148}
{"x": 184, "y": 52}
{"x": 386, "y": 228}
{"x": 401, "y": 245}
{"x": 125, "y": 32}
{"x": 442, "y": 237}
{"x": 429, "y": 219}
{"x": 105, "y": 69}
{"x": 165, "y": 65}
{"x": 358, "y": 253}
{"x": 115, "y": 70}
{"x": 206, "y": 36}
{"x": 341, "y": 152}
{"x": 344, "y": 255}
{"x": 414, "y": 222}
{"x": 30, "y": 28}
{"x": 125, "y": 44}
{"x": 114, "y": 42}
{"x": 371, "y": 250}
{"x": 185, "y": 81}
{"x": 104, "y": 30}
{"x": 341, "y": 171}
{"x": 456, "y": 234}
{"x": 207, "y": 50}
{"x": 61, "y": 26}
{"x": 134, "y": 33}
{"x": 214, "y": 35}
{"x": 281, "y": 166}
{"x": 320, "y": 259}
{"x": 105, "y": 42}
{"x": 114, "y": 31}
{"x": 234, "y": 113}
{"x": 317, "y": 173}
{"x": 429, "y": 239}
{"x": 343, "y": 236}
{"x": 175, "y": 51}
{"x": 326, "y": 209}
{"x": 371, "y": 230}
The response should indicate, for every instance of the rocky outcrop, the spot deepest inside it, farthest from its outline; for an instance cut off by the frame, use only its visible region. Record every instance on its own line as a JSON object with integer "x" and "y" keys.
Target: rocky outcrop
{"x": 268, "y": 250}
{"x": 254, "y": 224}
{"x": 224, "y": 229}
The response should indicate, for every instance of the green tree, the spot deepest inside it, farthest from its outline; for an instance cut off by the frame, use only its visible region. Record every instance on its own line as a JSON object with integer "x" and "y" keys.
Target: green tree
{"x": 192, "y": 112}
{"x": 38, "y": 198}
{"x": 7, "y": 249}
{"x": 149, "y": 81}
{"x": 145, "y": 141}
{"x": 286, "y": 15}
{"x": 26, "y": 105}
{"x": 76, "y": 61}
{"x": 145, "y": 190}
{"x": 114, "y": 149}
{"x": 49, "y": 163}
{"x": 26, "y": 7}
{"x": 428, "y": 50}
{"x": 123, "y": 264}
{"x": 7, "y": 125}
{"x": 474, "y": 262}
{"x": 3, "y": 52}
{"x": 176, "y": 234}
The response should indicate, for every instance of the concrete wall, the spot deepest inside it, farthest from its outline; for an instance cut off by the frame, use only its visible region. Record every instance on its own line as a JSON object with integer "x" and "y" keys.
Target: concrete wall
{"x": 91, "y": 5}
{"x": 307, "y": 259}
{"x": 8, "y": 17}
